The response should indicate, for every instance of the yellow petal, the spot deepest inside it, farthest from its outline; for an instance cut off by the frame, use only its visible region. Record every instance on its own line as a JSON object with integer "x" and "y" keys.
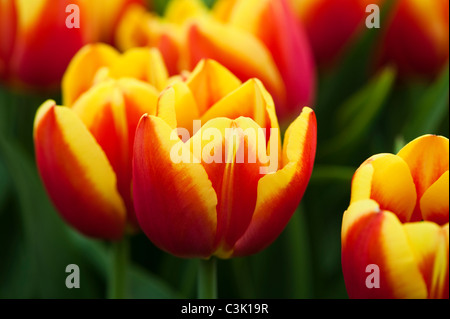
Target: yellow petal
{"x": 239, "y": 51}
{"x": 143, "y": 64}
{"x": 80, "y": 73}
{"x": 280, "y": 193}
{"x": 177, "y": 106}
{"x": 210, "y": 82}
{"x": 434, "y": 202}
{"x": 386, "y": 178}
{"x": 427, "y": 158}
{"x": 77, "y": 173}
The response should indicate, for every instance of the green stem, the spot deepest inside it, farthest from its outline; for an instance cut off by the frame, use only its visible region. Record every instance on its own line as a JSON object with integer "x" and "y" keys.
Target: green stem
{"x": 117, "y": 281}
{"x": 207, "y": 279}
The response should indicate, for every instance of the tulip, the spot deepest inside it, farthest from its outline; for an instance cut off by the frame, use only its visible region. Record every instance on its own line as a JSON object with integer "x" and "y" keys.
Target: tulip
{"x": 83, "y": 154}
{"x": 37, "y": 45}
{"x": 395, "y": 233}
{"x": 417, "y": 38}
{"x": 206, "y": 201}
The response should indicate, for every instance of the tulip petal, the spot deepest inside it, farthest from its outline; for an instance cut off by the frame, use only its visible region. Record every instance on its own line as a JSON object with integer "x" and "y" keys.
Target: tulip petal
{"x": 434, "y": 202}
{"x": 427, "y": 158}
{"x": 239, "y": 51}
{"x": 430, "y": 245}
{"x": 375, "y": 238}
{"x": 279, "y": 193}
{"x": 231, "y": 158}
{"x": 77, "y": 174}
{"x": 210, "y": 82}
{"x": 386, "y": 179}
{"x": 89, "y": 59}
{"x": 179, "y": 11}
{"x": 111, "y": 112}
{"x": 248, "y": 100}
{"x": 143, "y": 64}
{"x": 175, "y": 202}
{"x": 177, "y": 105}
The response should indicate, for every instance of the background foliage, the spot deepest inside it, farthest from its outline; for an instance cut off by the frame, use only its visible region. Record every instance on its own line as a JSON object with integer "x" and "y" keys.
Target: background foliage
{"x": 360, "y": 112}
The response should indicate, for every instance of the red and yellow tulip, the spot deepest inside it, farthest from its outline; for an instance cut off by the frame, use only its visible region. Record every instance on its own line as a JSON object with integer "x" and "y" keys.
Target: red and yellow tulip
{"x": 36, "y": 45}
{"x": 414, "y": 37}
{"x": 398, "y": 220}
{"x": 199, "y": 206}
{"x": 417, "y": 37}
{"x": 235, "y": 34}
{"x": 84, "y": 151}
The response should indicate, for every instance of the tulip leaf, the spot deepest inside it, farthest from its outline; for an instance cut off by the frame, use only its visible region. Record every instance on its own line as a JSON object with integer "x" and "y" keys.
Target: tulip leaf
{"x": 46, "y": 237}
{"x": 430, "y": 110}
{"x": 144, "y": 285}
{"x": 358, "y": 114}
{"x": 15, "y": 270}
{"x": 282, "y": 270}
{"x": 4, "y": 185}
{"x": 299, "y": 266}
{"x": 355, "y": 65}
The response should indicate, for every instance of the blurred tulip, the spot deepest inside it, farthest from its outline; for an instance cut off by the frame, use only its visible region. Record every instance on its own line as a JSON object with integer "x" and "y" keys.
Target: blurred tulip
{"x": 84, "y": 151}
{"x": 204, "y": 205}
{"x": 36, "y": 45}
{"x": 398, "y": 221}
{"x": 416, "y": 39}
{"x": 331, "y": 25}
{"x": 236, "y": 35}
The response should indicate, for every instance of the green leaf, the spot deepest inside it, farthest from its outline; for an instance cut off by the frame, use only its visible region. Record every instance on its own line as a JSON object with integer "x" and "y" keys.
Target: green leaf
{"x": 4, "y": 184}
{"x": 46, "y": 237}
{"x": 430, "y": 110}
{"x": 144, "y": 285}
{"x": 329, "y": 173}
{"x": 355, "y": 65}
{"x": 299, "y": 266}
{"x": 358, "y": 114}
